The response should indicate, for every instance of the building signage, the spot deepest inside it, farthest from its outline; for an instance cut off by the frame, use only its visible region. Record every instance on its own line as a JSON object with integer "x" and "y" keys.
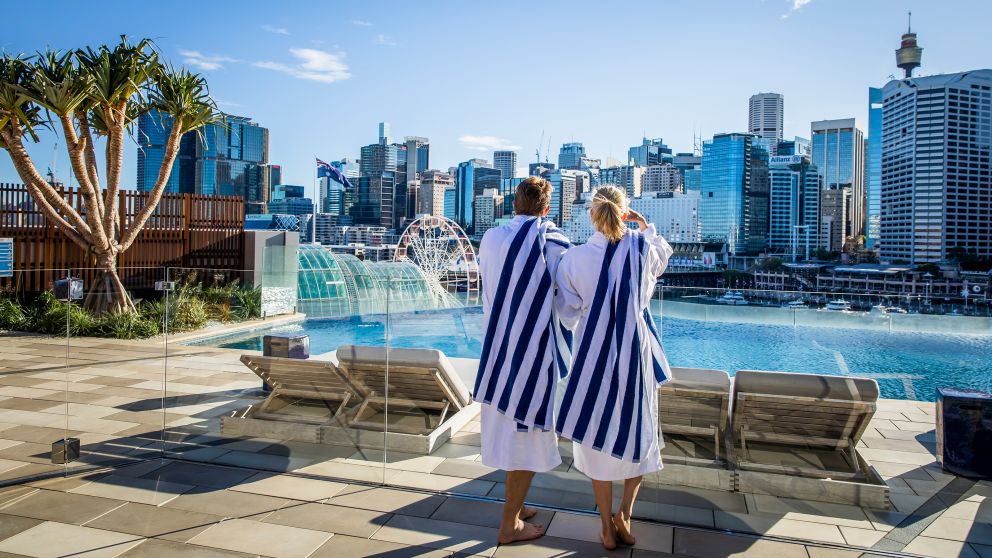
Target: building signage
{"x": 779, "y": 160}
{"x": 6, "y": 257}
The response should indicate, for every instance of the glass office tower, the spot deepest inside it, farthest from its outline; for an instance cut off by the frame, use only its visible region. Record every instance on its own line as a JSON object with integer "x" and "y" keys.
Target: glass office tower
{"x": 873, "y": 158}
{"x": 726, "y": 176}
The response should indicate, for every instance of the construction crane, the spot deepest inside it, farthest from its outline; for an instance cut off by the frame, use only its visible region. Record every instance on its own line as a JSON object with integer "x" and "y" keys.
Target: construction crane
{"x": 537, "y": 152}
{"x": 547, "y": 150}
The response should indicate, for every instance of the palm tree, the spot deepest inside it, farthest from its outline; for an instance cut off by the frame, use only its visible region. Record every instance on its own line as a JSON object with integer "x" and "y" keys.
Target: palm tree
{"x": 89, "y": 93}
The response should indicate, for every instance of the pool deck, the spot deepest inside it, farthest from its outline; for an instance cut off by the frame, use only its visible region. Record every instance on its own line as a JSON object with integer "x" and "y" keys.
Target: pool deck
{"x": 217, "y": 496}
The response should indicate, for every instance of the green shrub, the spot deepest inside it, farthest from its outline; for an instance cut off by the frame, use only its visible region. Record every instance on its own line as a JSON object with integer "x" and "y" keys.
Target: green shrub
{"x": 125, "y": 325}
{"x": 51, "y": 317}
{"x": 188, "y": 314}
{"x": 155, "y": 311}
{"x": 11, "y": 313}
{"x": 247, "y": 304}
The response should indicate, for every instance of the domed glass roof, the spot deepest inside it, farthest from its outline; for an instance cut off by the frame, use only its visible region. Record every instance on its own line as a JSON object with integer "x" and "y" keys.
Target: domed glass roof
{"x": 343, "y": 285}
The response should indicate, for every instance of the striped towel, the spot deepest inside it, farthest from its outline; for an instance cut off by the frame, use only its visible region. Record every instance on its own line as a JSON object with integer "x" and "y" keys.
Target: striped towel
{"x": 525, "y": 350}
{"x": 610, "y": 401}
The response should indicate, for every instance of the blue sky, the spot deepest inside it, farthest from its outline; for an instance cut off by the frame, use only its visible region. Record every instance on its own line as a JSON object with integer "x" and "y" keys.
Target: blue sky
{"x": 472, "y": 76}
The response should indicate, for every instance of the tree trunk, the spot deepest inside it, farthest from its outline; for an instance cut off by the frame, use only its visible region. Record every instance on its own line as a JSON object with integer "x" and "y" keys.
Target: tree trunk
{"x": 108, "y": 294}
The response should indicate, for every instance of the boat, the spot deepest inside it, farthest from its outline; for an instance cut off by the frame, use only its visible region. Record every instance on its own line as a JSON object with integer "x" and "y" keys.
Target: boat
{"x": 838, "y": 305}
{"x": 733, "y": 298}
{"x": 882, "y": 309}
{"x": 795, "y": 304}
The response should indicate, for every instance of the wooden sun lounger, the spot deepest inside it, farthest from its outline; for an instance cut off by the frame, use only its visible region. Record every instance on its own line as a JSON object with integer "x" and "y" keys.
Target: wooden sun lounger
{"x": 696, "y": 402}
{"x": 295, "y": 379}
{"x": 423, "y": 388}
{"x": 801, "y": 424}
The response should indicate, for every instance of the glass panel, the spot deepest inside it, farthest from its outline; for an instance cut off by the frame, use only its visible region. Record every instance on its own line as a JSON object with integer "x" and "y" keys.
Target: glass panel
{"x": 34, "y": 366}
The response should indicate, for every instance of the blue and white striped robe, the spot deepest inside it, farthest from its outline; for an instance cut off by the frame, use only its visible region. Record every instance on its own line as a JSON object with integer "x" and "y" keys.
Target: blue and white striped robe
{"x": 605, "y": 289}
{"x": 524, "y": 350}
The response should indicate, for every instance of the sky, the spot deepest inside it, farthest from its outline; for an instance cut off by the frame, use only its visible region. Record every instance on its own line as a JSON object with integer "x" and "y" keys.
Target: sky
{"x": 477, "y": 76}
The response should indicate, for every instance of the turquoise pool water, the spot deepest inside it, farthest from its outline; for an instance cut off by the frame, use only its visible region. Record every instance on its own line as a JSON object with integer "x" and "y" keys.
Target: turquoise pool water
{"x": 906, "y": 365}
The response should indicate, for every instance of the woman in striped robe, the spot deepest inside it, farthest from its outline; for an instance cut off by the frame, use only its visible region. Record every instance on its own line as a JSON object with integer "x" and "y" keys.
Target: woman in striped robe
{"x": 610, "y": 406}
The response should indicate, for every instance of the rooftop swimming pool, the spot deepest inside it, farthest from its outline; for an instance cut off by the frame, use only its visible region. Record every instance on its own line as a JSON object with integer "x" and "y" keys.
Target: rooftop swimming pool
{"x": 906, "y": 365}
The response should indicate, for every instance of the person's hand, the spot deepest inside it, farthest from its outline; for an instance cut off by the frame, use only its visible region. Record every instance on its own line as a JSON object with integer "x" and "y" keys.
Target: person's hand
{"x": 636, "y": 217}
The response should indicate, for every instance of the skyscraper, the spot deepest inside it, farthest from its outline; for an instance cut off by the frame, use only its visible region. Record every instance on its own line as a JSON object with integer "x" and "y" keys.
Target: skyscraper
{"x": 471, "y": 178}
{"x": 570, "y": 156}
{"x": 661, "y": 178}
{"x": 506, "y": 162}
{"x": 765, "y": 116}
{"x": 153, "y": 133}
{"x": 873, "y": 163}
{"x": 382, "y": 170}
{"x": 433, "y": 185}
{"x": 734, "y": 203}
{"x": 488, "y": 206}
{"x": 794, "y": 208}
{"x": 384, "y": 138}
{"x": 628, "y": 177}
{"x": 838, "y": 154}
{"x": 936, "y": 182}
{"x": 650, "y": 152}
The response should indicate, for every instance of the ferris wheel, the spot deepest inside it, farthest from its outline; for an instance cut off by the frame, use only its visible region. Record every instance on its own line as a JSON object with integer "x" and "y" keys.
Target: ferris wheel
{"x": 441, "y": 249}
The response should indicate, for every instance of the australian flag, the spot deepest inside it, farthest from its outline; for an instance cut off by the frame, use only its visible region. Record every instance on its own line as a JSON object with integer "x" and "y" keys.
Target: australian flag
{"x": 326, "y": 169}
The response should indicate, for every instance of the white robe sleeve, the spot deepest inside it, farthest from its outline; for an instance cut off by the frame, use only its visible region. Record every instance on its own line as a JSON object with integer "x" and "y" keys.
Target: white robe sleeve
{"x": 659, "y": 251}
{"x": 568, "y": 303}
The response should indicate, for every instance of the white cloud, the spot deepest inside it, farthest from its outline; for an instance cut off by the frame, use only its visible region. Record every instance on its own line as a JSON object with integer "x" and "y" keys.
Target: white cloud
{"x": 312, "y": 65}
{"x": 486, "y": 143}
{"x": 785, "y": 16}
{"x": 798, "y": 4}
{"x": 361, "y": 23}
{"x": 202, "y": 61}
{"x": 275, "y": 30}
{"x": 384, "y": 40}
{"x": 316, "y": 41}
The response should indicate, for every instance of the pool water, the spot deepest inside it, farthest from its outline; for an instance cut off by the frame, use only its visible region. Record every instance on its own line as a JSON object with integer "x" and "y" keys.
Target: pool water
{"x": 906, "y": 365}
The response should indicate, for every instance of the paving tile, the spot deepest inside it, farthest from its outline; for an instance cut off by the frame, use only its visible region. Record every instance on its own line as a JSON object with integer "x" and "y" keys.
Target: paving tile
{"x": 940, "y": 548}
{"x": 388, "y": 500}
{"x": 51, "y": 540}
{"x": 707, "y": 544}
{"x": 646, "y": 508}
{"x": 955, "y": 529}
{"x": 763, "y": 524}
{"x": 279, "y": 541}
{"x": 10, "y": 525}
{"x": 154, "y": 548}
{"x": 268, "y": 462}
{"x": 62, "y": 507}
{"x": 347, "y": 471}
{"x": 657, "y": 538}
{"x": 287, "y": 486}
{"x": 226, "y": 503}
{"x": 831, "y": 552}
{"x": 484, "y": 514}
{"x": 550, "y": 497}
{"x": 199, "y": 475}
{"x": 808, "y": 510}
{"x": 152, "y": 521}
{"x": 139, "y": 490}
{"x": 556, "y": 547}
{"x": 396, "y": 460}
{"x": 332, "y": 519}
{"x": 445, "y": 535}
{"x": 469, "y": 470}
{"x": 974, "y": 511}
{"x": 354, "y": 547}
{"x": 983, "y": 550}
{"x": 440, "y": 483}
{"x": 861, "y": 537}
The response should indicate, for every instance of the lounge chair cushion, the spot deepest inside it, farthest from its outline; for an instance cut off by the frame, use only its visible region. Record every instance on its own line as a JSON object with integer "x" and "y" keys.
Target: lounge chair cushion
{"x": 416, "y": 358}
{"x": 806, "y": 385}
{"x": 700, "y": 378}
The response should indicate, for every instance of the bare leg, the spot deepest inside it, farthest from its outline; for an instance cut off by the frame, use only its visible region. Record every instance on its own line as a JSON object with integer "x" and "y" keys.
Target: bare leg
{"x": 603, "y": 490}
{"x": 512, "y": 528}
{"x": 622, "y": 518}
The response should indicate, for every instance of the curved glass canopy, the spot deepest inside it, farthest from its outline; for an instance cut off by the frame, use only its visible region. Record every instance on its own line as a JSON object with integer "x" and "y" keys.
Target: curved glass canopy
{"x": 332, "y": 285}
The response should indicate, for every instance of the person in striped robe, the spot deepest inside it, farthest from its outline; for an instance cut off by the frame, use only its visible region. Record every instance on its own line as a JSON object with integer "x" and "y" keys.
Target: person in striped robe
{"x": 610, "y": 406}
{"x": 523, "y": 352}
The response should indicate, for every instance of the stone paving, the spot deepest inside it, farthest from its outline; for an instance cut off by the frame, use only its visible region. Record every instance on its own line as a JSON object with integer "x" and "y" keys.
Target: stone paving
{"x": 216, "y": 496}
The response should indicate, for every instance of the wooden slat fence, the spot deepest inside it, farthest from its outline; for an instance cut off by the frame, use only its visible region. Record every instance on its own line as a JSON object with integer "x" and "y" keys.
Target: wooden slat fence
{"x": 186, "y": 230}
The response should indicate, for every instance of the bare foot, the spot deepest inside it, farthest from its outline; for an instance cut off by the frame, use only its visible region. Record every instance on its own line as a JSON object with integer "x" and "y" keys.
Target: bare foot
{"x": 527, "y": 513}
{"x": 609, "y": 539}
{"x": 520, "y": 532}
{"x": 622, "y": 526}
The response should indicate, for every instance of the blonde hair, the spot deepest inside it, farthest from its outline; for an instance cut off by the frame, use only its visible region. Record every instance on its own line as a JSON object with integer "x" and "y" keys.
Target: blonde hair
{"x": 609, "y": 205}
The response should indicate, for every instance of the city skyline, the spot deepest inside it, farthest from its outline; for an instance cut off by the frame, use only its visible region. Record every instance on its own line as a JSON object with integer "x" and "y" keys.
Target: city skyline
{"x": 338, "y": 96}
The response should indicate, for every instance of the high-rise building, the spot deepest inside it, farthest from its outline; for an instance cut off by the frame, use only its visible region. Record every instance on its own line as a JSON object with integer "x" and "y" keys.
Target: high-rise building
{"x": 537, "y": 169}
{"x": 661, "y": 178}
{"x": 650, "y": 152}
{"x": 506, "y": 162}
{"x": 226, "y": 159}
{"x": 734, "y": 197}
{"x": 449, "y": 203}
{"x": 686, "y": 161}
{"x": 936, "y": 182}
{"x": 433, "y": 185}
{"x": 628, "y": 177}
{"x": 382, "y": 169}
{"x": 676, "y": 216}
{"x": 834, "y": 205}
{"x": 488, "y": 208}
{"x": 384, "y": 137}
{"x": 796, "y": 146}
{"x": 765, "y": 116}
{"x": 873, "y": 165}
{"x": 794, "y": 208}
{"x": 471, "y": 178}
{"x": 565, "y": 184}
{"x": 273, "y": 178}
{"x": 838, "y": 154}
{"x": 153, "y": 133}
{"x": 570, "y": 156}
